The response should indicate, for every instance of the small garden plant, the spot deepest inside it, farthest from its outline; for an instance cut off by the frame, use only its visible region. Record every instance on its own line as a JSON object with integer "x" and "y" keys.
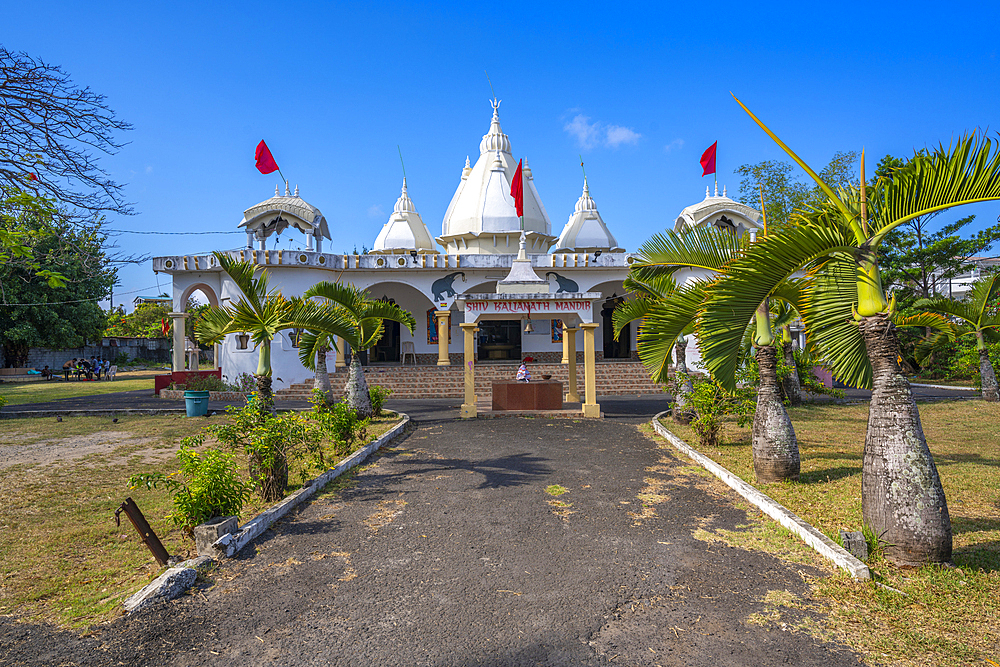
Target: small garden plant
{"x": 211, "y": 485}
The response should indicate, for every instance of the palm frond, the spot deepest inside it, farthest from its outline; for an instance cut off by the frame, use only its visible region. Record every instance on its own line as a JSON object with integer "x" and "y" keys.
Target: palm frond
{"x": 663, "y": 323}
{"x": 701, "y": 248}
{"x": 827, "y": 190}
{"x": 962, "y": 310}
{"x": 966, "y": 172}
{"x": 983, "y": 296}
{"x": 753, "y": 278}
{"x": 828, "y": 316}
{"x": 214, "y": 325}
{"x": 934, "y": 321}
{"x": 630, "y": 311}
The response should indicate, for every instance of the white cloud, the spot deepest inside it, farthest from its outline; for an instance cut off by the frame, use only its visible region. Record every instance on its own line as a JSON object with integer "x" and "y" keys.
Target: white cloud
{"x": 676, "y": 144}
{"x": 149, "y": 169}
{"x": 375, "y": 211}
{"x": 589, "y": 135}
{"x": 585, "y": 132}
{"x": 618, "y": 135}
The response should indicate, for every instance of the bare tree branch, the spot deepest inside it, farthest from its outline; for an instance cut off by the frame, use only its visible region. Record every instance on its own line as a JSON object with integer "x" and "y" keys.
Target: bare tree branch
{"x": 52, "y": 133}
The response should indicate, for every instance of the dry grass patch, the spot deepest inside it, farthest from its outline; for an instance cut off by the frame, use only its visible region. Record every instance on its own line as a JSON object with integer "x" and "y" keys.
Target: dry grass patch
{"x": 944, "y": 616}
{"x": 62, "y": 558}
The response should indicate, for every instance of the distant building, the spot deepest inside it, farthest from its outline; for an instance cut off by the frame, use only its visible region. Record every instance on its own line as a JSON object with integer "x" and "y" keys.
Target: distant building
{"x": 958, "y": 286}
{"x": 164, "y": 301}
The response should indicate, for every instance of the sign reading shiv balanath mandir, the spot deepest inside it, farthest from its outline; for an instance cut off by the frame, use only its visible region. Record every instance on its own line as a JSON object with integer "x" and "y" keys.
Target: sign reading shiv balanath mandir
{"x": 506, "y": 306}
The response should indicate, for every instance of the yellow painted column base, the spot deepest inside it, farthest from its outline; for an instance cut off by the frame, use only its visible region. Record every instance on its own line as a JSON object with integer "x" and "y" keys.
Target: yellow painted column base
{"x": 469, "y": 411}
{"x": 592, "y": 410}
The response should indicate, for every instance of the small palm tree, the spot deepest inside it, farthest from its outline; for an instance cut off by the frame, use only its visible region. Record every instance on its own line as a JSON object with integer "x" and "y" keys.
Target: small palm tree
{"x": 667, "y": 311}
{"x": 364, "y": 316}
{"x": 846, "y": 308}
{"x": 978, "y": 316}
{"x": 261, "y": 312}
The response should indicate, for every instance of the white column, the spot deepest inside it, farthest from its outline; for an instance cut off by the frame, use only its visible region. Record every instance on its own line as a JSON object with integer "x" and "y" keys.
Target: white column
{"x": 177, "y": 319}
{"x": 309, "y": 240}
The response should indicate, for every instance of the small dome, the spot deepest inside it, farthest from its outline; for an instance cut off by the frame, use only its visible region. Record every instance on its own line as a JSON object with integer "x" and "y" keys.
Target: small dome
{"x": 585, "y": 230}
{"x": 405, "y": 230}
{"x": 718, "y": 211}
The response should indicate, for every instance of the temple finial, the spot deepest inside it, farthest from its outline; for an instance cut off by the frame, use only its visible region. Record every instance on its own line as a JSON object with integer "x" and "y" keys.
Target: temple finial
{"x": 287, "y": 193}
{"x": 296, "y": 190}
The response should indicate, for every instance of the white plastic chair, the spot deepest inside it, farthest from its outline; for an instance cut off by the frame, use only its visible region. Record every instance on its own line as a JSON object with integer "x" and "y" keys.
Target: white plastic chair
{"x": 111, "y": 373}
{"x": 407, "y": 349}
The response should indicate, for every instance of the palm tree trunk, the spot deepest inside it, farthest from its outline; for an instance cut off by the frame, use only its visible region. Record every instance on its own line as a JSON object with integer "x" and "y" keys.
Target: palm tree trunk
{"x": 988, "y": 377}
{"x": 357, "y": 390}
{"x": 264, "y": 393}
{"x": 775, "y": 450}
{"x": 793, "y": 390}
{"x": 322, "y": 381}
{"x": 902, "y": 499}
{"x": 682, "y": 412}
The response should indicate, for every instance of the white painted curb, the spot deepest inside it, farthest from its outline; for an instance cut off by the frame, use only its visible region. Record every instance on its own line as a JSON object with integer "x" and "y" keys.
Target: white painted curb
{"x": 942, "y": 386}
{"x": 814, "y": 538}
{"x": 229, "y": 545}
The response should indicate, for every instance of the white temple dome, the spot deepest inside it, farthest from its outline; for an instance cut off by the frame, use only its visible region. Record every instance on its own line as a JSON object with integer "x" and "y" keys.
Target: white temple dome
{"x": 481, "y": 218}
{"x": 585, "y": 230}
{"x": 720, "y": 212}
{"x": 405, "y": 230}
{"x": 276, "y": 214}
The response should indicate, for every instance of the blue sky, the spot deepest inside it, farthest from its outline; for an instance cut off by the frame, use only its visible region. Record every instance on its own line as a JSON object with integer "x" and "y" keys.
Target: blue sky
{"x": 639, "y": 90}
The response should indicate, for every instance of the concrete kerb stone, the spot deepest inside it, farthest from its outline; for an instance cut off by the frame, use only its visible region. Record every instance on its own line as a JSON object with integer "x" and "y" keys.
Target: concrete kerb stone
{"x": 942, "y": 386}
{"x": 229, "y": 545}
{"x": 814, "y": 538}
{"x": 170, "y": 584}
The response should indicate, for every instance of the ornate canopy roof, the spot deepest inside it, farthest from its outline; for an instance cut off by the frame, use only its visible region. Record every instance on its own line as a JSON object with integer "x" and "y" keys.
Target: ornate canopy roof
{"x": 719, "y": 211}
{"x": 276, "y": 214}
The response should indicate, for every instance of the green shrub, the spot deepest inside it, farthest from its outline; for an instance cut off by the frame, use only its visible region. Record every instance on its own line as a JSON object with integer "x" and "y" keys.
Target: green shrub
{"x": 3, "y": 401}
{"x": 712, "y": 403}
{"x": 378, "y": 395}
{"x": 269, "y": 441}
{"x": 212, "y": 486}
{"x": 340, "y": 422}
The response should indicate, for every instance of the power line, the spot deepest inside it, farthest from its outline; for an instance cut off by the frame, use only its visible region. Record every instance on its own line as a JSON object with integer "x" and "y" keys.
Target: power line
{"x": 134, "y": 231}
{"x": 59, "y": 303}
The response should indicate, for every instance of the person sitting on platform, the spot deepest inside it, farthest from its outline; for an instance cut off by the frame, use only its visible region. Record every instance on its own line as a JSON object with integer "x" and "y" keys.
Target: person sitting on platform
{"x": 523, "y": 374}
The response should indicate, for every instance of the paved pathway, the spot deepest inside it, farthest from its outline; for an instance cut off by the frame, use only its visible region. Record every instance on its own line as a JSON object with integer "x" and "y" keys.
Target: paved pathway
{"x": 449, "y": 551}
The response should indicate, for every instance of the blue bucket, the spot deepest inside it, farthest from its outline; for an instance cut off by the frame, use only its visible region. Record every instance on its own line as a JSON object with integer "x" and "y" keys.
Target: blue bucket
{"x": 196, "y": 403}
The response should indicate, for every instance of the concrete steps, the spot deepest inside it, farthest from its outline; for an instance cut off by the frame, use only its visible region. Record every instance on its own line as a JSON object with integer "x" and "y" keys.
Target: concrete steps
{"x": 613, "y": 378}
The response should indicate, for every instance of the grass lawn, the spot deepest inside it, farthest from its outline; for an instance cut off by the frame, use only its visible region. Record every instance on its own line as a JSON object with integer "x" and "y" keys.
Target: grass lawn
{"x": 62, "y": 558}
{"x": 942, "y": 616}
{"x": 19, "y": 393}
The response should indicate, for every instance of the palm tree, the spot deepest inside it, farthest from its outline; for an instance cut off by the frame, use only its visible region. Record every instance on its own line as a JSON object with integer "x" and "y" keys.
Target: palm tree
{"x": 784, "y": 315}
{"x": 365, "y": 317}
{"x": 979, "y": 317}
{"x": 667, "y": 311}
{"x": 261, "y": 312}
{"x": 837, "y": 242}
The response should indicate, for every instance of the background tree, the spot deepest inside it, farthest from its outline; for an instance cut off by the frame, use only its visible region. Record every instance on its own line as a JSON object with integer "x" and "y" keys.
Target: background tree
{"x": 52, "y": 133}
{"x": 784, "y": 192}
{"x": 978, "y": 315}
{"x": 32, "y": 312}
{"x": 838, "y": 243}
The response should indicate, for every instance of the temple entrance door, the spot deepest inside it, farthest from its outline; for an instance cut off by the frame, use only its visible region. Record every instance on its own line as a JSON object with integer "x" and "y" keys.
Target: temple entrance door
{"x": 615, "y": 349}
{"x": 387, "y": 348}
{"x": 499, "y": 340}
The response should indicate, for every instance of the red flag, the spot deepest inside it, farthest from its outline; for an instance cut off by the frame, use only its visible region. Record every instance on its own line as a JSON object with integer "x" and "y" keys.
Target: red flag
{"x": 708, "y": 160}
{"x": 164, "y": 327}
{"x": 517, "y": 190}
{"x": 265, "y": 161}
